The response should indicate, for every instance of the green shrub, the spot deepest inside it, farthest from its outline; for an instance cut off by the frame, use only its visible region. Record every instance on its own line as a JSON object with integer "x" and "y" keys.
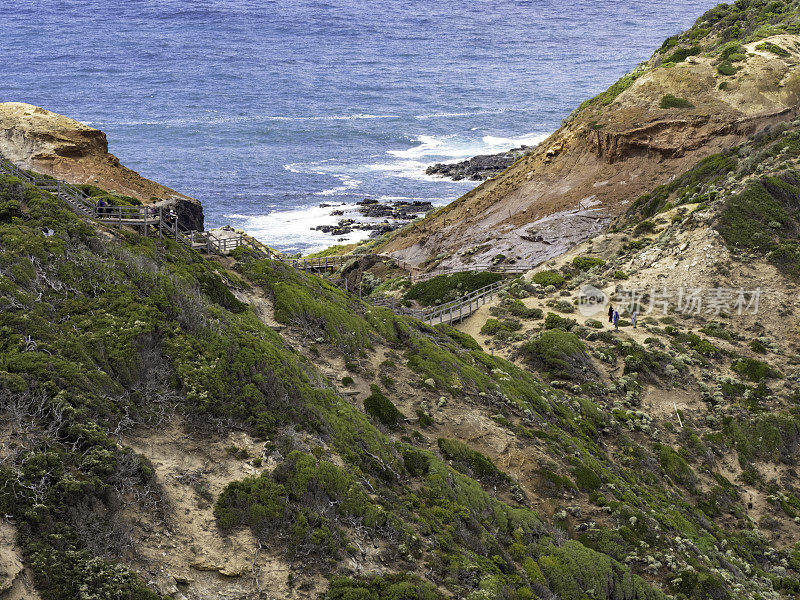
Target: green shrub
{"x": 670, "y": 101}
{"x": 753, "y": 369}
{"x": 558, "y": 353}
{"x": 424, "y": 419}
{"x": 389, "y": 586}
{"x": 726, "y": 68}
{"x": 674, "y": 466}
{"x": 731, "y": 49}
{"x": 381, "y": 408}
{"x": 682, "y": 54}
{"x": 763, "y": 218}
{"x": 416, "y": 462}
{"x": 586, "y": 479}
{"x": 257, "y": 502}
{"x": 493, "y": 326}
{"x": 347, "y": 380}
{"x": 758, "y": 347}
{"x": 644, "y": 227}
{"x": 774, "y": 48}
{"x": 564, "y": 306}
{"x": 620, "y": 275}
{"x": 584, "y": 263}
{"x": 518, "y": 309}
{"x": 469, "y": 461}
{"x": 554, "y": 321}
{"x": 546, "y": 278}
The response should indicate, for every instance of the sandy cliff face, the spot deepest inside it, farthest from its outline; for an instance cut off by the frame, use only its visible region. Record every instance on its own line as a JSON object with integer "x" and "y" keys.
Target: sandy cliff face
{"x": 41, "y": 140}
{"x": 607, "y": 155}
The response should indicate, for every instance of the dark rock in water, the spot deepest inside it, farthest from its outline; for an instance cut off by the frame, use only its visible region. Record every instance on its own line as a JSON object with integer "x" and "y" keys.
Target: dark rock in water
{"x": 479, "y": 167}
{"x": 393, "y": 215}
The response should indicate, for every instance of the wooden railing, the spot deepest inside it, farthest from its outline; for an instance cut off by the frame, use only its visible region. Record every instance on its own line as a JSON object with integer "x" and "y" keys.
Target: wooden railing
{"x": 449, "y": 312}
{"x": 320, "y": 262}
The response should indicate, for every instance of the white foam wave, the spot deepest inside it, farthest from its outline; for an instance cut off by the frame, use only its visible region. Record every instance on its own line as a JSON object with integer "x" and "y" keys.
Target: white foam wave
{"x": 291, "y": 230}
{"x": 447, "y": 115}
{"x": 224, "y": 119}
{"x": 452, "y": 147}
{"x": 348, "y": 183}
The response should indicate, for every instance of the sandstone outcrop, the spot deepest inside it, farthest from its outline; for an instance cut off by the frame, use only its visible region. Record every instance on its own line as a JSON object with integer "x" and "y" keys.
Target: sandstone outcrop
{"x": 46, "y": 142}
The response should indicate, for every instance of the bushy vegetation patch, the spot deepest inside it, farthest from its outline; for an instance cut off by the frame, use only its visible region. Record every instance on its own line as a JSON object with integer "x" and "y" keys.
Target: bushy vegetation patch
{"x": 558, "y": 353}
{"x": 584, "y": 263}
{"x": 298, "y": 499}
{"x": 682, "y": 54}
{"x": 378, "y": 406}
{"x": 774, "y": 48}
{"x": 670, "y": 101}
{"x": 764, "y": 218}
{"x": 546, "y": 278}
{"x": 726, "y": 68}
{"x": 313, "y": 304}
{"x": 687, "y": 187}
{"x": 724, "y": 27}
{"x": 493, "y": 326}
{"x": 393, "y": 586}
{"x": 753, "y": 369}
{"x": 445, "y": 288}
{"x": 554, "y": 321}
{"x": 470, "y": 461}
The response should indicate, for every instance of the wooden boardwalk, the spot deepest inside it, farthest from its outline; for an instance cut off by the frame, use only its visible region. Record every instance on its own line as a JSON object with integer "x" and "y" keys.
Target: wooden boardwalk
{"x": 449, "y": 312}
{"x": 150, "y": 220}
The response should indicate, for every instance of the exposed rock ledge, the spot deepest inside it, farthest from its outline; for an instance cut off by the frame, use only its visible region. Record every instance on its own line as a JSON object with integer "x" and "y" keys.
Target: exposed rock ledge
{"x": 41, "y": 140}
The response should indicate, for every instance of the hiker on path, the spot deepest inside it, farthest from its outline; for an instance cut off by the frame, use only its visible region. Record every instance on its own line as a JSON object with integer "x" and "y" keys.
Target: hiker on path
{"x": 610, "y": 313}
{"x": 633, "y": 319}
{"x": 101, "y": 207}
{"x": 616, "y": 320}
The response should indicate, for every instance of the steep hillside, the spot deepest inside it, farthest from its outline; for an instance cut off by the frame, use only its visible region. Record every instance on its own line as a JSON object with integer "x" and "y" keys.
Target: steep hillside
{"x": 178, "y": 427}
{"x": 49, "y": 143}
{"x": 730, "y": 75}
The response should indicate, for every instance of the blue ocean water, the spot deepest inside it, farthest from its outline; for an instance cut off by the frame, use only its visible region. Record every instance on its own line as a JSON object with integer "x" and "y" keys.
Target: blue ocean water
{"x": 265, "y": 109}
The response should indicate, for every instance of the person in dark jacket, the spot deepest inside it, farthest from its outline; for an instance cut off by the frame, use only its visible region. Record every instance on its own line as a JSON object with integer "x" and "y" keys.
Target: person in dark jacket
{"x": 101, "y": 207}
{"x": 616, "y": 320}
{"x": 610, "y": 313}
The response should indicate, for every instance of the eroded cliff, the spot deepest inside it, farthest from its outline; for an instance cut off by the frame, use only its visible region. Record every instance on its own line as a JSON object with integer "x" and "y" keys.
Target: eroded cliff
{"x": 46, "y": 142}
{"x": 641, "y": 133}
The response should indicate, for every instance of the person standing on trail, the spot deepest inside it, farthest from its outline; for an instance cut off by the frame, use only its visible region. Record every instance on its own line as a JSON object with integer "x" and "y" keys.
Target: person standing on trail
{"x": 633, "y": 319}
{"x": 101, "y": 207}
{"x": 610, "y": 313}
{"x": 616, "y": 320}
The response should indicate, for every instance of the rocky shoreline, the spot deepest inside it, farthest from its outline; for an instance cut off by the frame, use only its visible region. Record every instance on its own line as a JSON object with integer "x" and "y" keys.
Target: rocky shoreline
{"x": 478, "y": 167}
{"x": 383, "y": 217}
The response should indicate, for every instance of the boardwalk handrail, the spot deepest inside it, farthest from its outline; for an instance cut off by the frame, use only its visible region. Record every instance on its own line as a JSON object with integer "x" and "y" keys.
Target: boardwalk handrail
{"x": 448, "y": 312}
